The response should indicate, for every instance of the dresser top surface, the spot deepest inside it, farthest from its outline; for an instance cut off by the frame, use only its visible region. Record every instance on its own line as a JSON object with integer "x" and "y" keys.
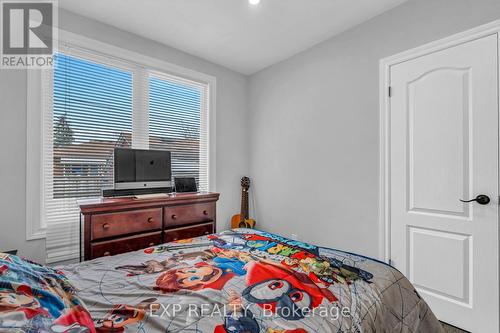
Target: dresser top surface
{"x": 178, "y": 198}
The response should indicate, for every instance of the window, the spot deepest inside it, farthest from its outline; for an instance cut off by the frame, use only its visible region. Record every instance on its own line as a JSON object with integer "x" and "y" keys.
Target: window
{"x": 175, "y": 124}
{"x": 92, "y": 115}
{"x": 95, "y": 103}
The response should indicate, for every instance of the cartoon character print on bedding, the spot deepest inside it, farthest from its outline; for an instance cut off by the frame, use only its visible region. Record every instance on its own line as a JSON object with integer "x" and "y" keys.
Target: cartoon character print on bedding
{"x": 241, "y": 320}
{"x": 122, "y": 315}
{"x": 292, "y": 254}
{"x": 211, "y": 274}
{"x": 155, "y": 266}
{"x": 237, "y": 319}
{"x": 289, "y": 294}
{"x": 211, "y": 271}
{"x": 34, "y": 298}
{"x": 284, "y": 276}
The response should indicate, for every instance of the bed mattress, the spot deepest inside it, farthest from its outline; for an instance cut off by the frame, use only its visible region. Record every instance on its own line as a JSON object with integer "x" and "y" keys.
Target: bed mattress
{"x": 244, "y": 280}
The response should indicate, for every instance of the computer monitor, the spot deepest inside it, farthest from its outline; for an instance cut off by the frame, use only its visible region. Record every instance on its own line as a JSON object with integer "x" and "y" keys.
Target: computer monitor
{"x": 138, "y": 168}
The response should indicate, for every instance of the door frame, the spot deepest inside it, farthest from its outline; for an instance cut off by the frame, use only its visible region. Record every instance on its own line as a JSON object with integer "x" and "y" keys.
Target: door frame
{"x": 385, "y": 64}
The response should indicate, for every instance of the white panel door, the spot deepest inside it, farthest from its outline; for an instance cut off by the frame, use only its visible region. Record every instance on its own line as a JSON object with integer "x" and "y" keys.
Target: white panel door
{"x": 444, "y": 147}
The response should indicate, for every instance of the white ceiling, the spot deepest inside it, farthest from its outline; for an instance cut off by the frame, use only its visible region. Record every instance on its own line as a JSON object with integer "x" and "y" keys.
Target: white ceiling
{"x": 233, "y": 33}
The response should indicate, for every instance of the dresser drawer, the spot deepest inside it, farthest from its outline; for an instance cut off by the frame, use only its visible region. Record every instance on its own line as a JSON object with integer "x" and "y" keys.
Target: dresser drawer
{"x": 189, "y": 214}
{"x": 122, "y": 245}
{"x": 188, "y": 232}
{"x": 123, "y": 223}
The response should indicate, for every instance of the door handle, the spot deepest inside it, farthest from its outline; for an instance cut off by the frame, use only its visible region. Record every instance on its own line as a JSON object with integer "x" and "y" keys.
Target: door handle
{"x": 480, "y": 199}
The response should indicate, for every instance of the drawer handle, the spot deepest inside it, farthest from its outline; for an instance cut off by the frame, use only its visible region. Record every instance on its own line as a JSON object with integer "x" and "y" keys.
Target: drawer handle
{"x": 205, "y": 212}
{"x": 150, "y": 220}
{"x": 105, "y": 226}
{"x": 175, "y": 238}
{"x": 151, "y": 244}
{"x": 206, "y": 232}
{"x": 106, "y": 253}
{"x": 174, "y": 216}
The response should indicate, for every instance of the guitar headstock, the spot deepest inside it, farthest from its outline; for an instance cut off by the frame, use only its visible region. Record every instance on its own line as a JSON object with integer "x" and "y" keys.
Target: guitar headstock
{"x": 245, "y": 183}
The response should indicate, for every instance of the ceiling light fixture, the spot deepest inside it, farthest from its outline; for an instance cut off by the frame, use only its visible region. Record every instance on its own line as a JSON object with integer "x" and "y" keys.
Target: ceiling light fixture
{"x": 254, "y": 2}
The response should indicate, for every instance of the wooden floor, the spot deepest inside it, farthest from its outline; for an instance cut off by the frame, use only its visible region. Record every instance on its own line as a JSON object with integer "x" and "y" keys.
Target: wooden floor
{"x": 451, "y": 329}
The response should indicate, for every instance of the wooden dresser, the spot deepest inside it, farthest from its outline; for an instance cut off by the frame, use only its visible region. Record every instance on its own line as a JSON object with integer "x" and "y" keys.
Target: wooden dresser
{"x": 111, "y": 226}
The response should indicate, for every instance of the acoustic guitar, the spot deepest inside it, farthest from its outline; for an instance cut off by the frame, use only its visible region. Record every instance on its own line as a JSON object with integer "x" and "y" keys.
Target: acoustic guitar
{"x": 242, "y": 220}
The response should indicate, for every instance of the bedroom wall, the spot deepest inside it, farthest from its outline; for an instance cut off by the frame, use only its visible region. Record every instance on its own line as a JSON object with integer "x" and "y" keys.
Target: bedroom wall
{"x": 232, "y": 147}
{"x": 314, "y": 143}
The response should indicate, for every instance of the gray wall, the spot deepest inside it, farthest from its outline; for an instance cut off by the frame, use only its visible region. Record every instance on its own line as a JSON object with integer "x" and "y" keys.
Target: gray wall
{"x": 314, "y": 121}
{"x": 232, "y": 154}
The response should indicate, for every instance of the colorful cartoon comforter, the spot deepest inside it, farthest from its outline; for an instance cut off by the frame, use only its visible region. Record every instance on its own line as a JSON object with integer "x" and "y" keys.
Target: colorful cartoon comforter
{"x": 35, "y": 298}
{"x": 248, "y": 281}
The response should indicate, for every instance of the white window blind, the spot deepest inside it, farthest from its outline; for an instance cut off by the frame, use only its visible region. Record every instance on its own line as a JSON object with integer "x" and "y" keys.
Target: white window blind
{"x": 91, "y": 115}
{"x": 178, "y": 123}
{"x": 97, "y": 104}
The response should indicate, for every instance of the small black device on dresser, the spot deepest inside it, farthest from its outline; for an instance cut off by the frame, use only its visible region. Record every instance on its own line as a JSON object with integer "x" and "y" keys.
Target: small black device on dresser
{"x": 185, "y": 184}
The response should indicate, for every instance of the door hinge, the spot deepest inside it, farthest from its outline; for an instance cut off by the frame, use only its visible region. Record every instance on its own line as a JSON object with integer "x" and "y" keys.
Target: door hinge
{"x": 389, "y": 91}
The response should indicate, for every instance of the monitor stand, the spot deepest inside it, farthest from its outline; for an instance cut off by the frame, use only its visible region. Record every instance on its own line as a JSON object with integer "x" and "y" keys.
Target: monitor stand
{"x": 111, "y": 192}
{"x": 152, "y": 196}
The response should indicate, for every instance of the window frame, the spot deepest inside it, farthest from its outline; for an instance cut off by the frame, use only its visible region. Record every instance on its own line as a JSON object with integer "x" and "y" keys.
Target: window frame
{"x": 39, "y": 105}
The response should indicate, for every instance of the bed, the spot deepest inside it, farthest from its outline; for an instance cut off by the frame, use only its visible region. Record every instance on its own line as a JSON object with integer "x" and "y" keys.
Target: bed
{"x": 240, "y": 280}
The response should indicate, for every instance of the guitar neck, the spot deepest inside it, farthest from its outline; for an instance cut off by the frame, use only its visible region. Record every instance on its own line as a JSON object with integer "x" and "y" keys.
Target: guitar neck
{"x": 244, "y": 203}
